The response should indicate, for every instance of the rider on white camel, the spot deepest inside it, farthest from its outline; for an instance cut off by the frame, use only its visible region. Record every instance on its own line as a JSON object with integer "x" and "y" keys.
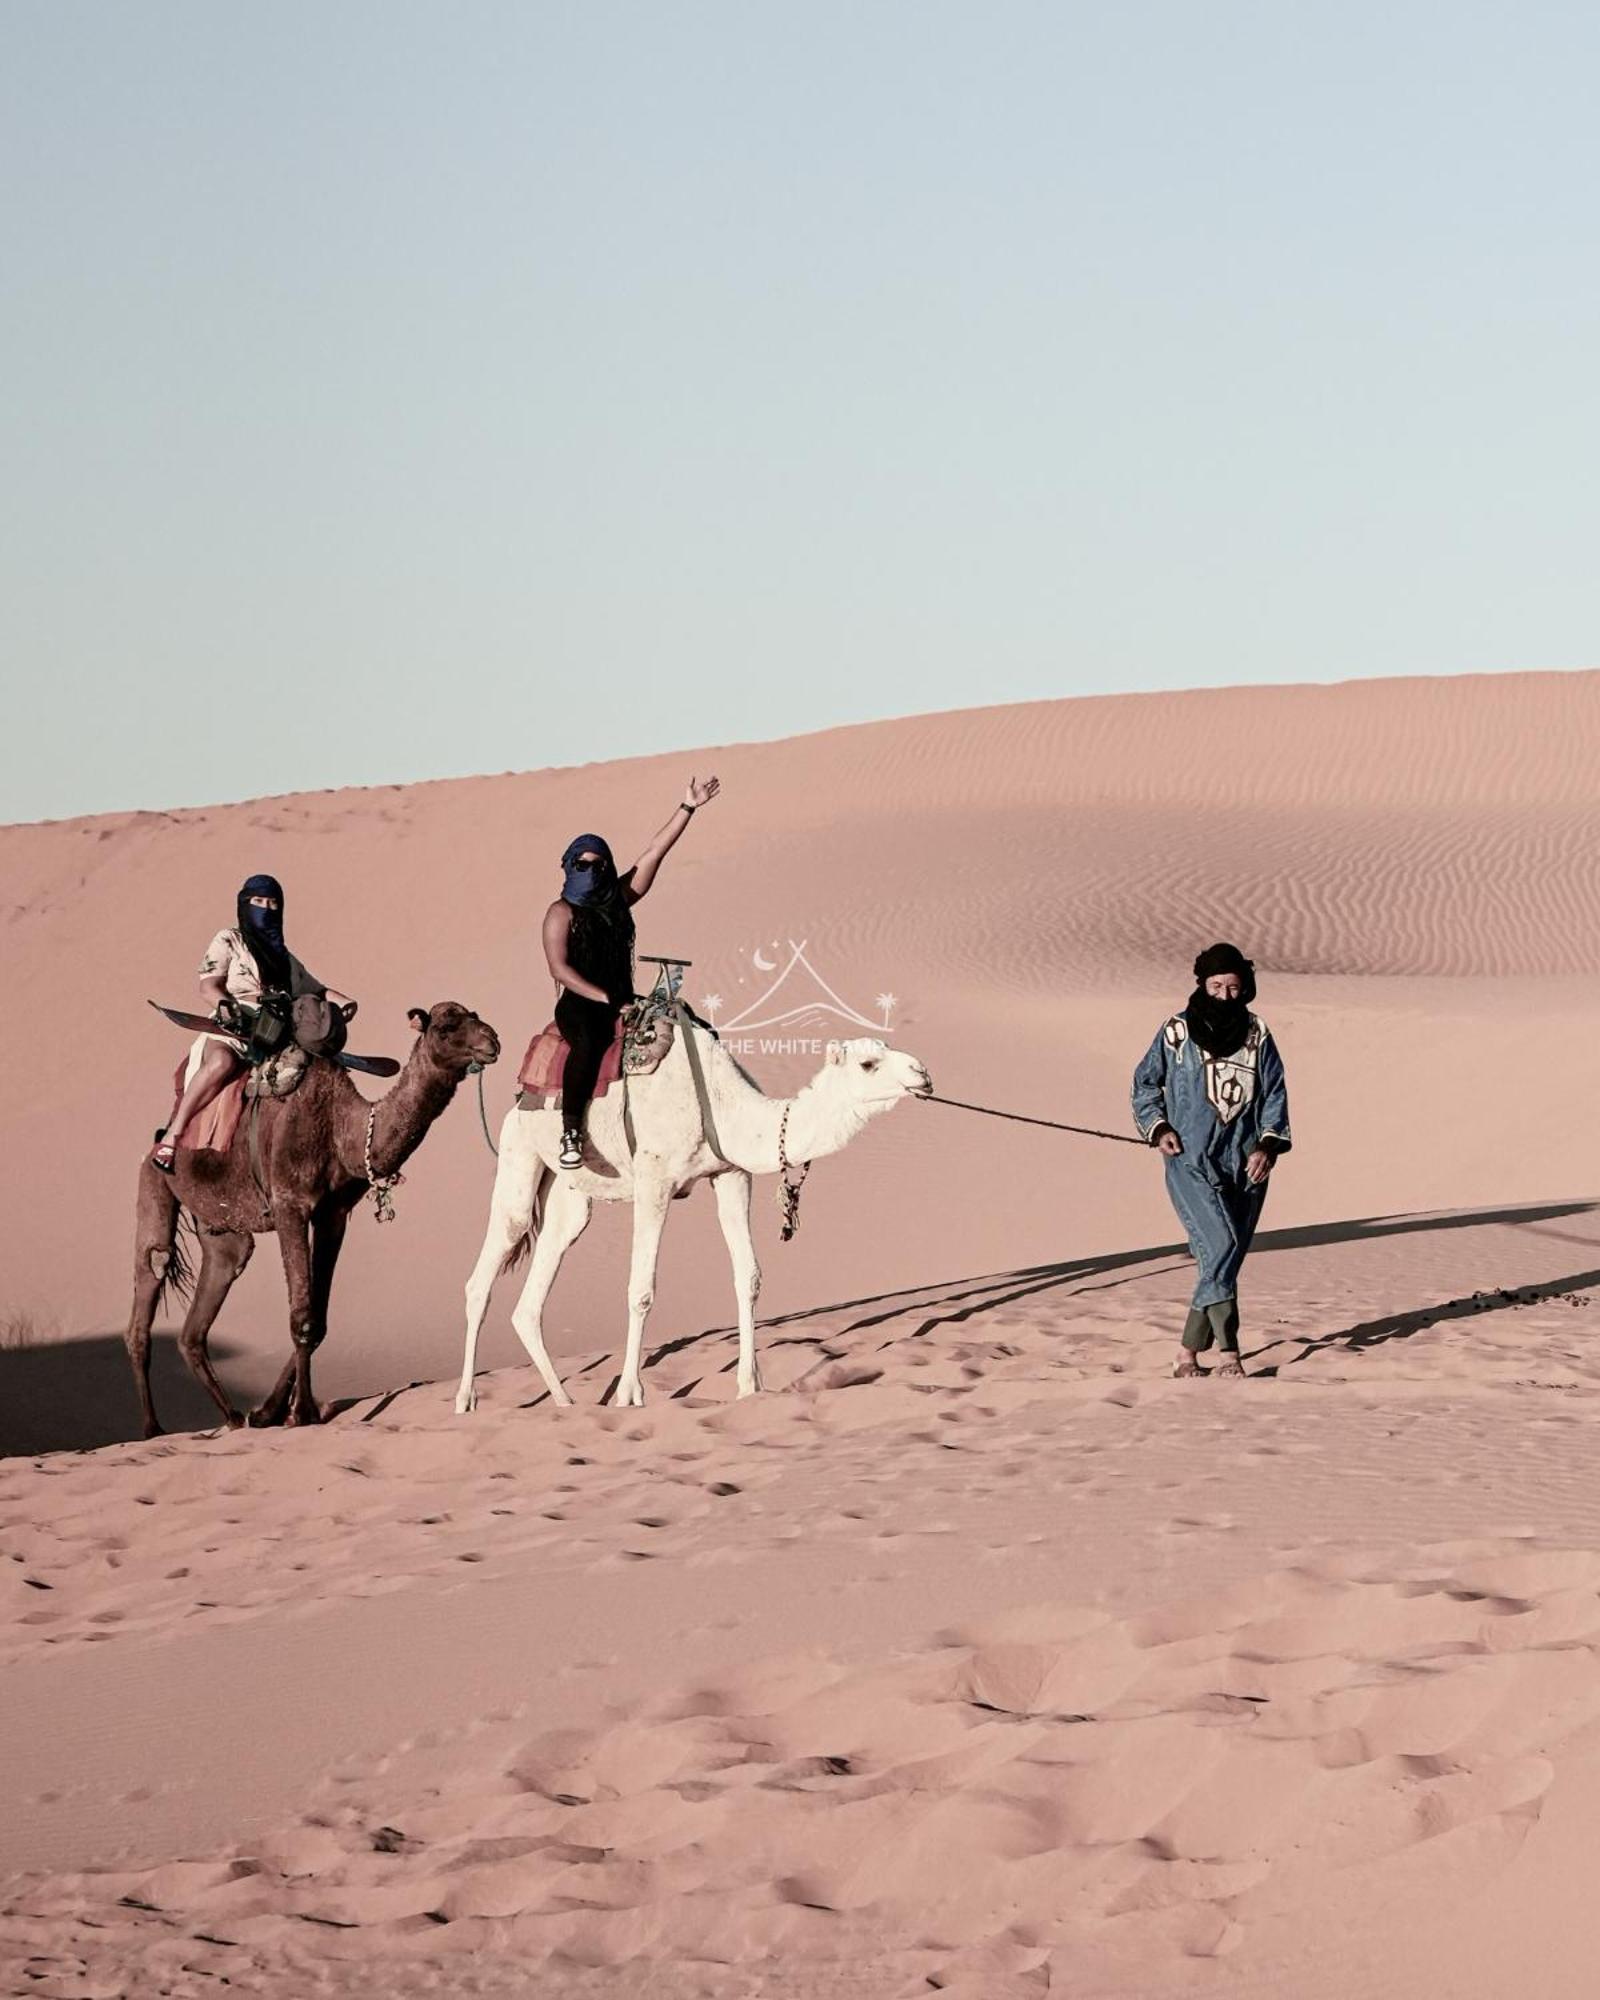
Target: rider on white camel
{"x": 588, "y": 945}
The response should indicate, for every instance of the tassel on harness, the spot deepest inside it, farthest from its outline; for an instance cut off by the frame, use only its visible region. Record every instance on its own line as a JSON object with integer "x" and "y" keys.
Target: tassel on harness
{"x": 380, "y": 1186}
{"x": 788, "y": 1191}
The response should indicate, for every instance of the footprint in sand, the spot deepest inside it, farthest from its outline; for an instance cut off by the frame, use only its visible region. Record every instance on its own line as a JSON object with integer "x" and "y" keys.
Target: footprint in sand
{"x": 1019, "y": 1799}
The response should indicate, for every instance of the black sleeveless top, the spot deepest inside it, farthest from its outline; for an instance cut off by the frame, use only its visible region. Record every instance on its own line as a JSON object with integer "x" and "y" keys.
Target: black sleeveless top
{"x": 600, "y": 946}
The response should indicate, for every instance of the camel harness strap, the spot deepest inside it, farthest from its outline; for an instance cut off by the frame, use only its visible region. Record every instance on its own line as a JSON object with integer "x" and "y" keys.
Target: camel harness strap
{"x": 381, "y": 1186}
{"x": 788, "y": 1191}
{"x": 707, "y": 1122}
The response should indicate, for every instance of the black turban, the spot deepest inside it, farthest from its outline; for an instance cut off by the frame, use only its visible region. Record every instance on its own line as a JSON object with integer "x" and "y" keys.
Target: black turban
{"x": 1227, "y": 958}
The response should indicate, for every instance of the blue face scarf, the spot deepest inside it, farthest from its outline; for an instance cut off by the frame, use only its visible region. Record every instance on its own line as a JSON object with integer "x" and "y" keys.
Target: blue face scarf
{"x": 591, "y": 883}
{"x": 262, "y": 930}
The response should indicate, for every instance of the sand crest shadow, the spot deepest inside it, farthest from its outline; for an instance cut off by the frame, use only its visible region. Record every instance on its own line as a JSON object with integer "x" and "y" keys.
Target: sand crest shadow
{"x": 911, "y": 1314}
{"x": 72, "y": 1395}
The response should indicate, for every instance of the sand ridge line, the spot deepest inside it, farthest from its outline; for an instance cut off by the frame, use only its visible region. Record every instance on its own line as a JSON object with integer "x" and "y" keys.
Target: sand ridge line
{"x": 150, "y": 1538}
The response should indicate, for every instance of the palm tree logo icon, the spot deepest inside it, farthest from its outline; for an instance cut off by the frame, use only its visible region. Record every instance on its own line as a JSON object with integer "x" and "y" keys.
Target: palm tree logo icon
{"x": 796, "y": 996}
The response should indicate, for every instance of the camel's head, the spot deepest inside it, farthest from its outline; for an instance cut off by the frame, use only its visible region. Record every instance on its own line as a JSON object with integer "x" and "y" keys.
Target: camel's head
{"x": 455, "y": 1037}
{"x": 873, "y": 1075}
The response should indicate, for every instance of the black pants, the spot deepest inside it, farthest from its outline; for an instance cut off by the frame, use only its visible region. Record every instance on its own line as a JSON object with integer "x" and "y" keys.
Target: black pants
{"x": 587, "y": 1027}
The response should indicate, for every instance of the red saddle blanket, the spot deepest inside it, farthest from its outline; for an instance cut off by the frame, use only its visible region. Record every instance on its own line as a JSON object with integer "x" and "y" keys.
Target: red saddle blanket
{"x": 217, "y": 1123}
{"x": 546, "y": 1061}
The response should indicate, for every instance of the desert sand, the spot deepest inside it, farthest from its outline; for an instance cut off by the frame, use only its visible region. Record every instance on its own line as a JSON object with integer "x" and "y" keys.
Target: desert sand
{"x": 977, "y": 1654}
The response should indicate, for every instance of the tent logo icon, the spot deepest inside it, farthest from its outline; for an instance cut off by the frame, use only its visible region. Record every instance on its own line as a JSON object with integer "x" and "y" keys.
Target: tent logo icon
{"x": 791, "y": 996}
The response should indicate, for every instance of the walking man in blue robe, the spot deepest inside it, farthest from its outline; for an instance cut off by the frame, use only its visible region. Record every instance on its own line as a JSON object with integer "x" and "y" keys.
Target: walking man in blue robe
{"x": 1209, "y": 1094}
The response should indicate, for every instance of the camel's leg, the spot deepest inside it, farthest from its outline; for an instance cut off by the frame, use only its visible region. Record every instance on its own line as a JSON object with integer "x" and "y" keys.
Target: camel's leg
{"x": 294, "y": 1240}
{"x": 270, "y": 1410}
{"x": 733, "y": 1212}
{"x": 650, "y": 1199}
{"x": 154, "y": 1241}
{"x": 566, "y": 1216}
{"x": 274, "y": 1405}
{"x": 327, "y": 1239}
{"x": 513, "y": 1214}
{"x": 222, "y": 1258}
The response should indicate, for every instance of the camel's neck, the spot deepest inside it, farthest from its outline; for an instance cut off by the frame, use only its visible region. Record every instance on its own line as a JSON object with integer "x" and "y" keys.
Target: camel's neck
{"x": 750, "y": 1124}
{"x": 400, "y": 1120}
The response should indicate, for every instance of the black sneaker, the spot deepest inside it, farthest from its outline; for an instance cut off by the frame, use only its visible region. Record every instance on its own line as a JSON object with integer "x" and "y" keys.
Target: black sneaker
{"x": 571, "y": 1154}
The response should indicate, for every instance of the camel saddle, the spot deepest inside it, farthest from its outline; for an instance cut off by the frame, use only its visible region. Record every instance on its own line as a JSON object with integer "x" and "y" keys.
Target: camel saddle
{"x": 214, "y": 1127}
{"x": 642, "y": 1036}
{"x": 311, "y": 1022}
{"x": 281, "y": 1042}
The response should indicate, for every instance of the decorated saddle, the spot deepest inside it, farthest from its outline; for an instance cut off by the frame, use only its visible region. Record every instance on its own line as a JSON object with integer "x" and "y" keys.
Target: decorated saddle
{"x": 279, "y": 1040}
{"x": 641, "y": 1039}
{"x": 215, "y": 1126}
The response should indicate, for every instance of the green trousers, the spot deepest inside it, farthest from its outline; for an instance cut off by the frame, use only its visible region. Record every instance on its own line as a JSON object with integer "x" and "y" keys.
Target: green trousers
{"x": 1219, "y": 1322}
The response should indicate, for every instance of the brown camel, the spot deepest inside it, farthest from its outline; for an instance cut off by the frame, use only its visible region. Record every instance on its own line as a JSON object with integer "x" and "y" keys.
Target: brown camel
{"x": 317, "y": 1149}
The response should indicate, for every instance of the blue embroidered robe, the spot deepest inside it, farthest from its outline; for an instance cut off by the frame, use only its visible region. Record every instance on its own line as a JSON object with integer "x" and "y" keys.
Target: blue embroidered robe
{"x": 1222, "y": 1108}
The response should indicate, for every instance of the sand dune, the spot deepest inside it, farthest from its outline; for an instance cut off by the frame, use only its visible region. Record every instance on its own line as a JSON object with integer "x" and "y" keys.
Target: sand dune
{"x": 1028, "y": 882}
{"x": 1085, "y": 1797}
{"x": 979, "y": 1656}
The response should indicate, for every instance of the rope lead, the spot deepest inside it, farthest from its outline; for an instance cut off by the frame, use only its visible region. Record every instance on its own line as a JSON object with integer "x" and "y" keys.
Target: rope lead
{"x": 1021, "y": 1118}
{"x": 483, "y": 1115}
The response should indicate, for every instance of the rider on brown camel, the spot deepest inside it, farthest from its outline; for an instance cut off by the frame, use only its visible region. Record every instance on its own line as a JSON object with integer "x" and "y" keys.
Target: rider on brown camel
{"x": 241, "y": 964}
{"x": 588, "y": 945}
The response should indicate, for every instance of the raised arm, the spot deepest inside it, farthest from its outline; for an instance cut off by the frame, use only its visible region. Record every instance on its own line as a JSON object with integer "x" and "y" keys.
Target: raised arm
{"x": 643, "y": 871}
{"x": 557, "y": 930}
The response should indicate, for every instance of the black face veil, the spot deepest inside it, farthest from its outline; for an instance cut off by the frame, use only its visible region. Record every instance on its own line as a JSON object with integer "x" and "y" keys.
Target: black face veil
{"x": 262, "y": 931}
{"x": 1220, "y": 1026}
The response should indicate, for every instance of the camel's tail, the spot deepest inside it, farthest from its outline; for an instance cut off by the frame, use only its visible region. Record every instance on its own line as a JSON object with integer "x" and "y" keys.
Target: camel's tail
{"x": 178, "y": 1277}
{"x": 522, "y": 1249}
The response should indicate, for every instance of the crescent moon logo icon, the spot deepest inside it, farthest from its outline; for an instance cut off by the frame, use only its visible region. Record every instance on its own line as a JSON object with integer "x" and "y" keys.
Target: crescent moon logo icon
{"x": 762, "y": 964}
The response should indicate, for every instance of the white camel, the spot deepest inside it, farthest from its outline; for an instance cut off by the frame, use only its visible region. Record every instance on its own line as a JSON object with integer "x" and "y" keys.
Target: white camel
{"x": 534, "y": 1198}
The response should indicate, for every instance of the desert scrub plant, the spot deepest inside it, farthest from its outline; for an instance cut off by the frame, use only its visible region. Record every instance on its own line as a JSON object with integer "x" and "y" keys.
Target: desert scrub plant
{"x": 24, "y": 1329}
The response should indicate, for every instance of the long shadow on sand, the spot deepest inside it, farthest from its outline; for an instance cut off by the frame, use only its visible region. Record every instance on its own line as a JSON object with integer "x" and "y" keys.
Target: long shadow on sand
{"x": 71, "y": 1395}
{"x": 949, "y": 1303}
{"x": 1402, "y": 1325}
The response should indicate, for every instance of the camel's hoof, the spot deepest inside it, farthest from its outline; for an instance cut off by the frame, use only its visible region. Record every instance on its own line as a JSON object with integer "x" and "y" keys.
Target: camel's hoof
{"x": 264, "y": 1418}
{"x": 233, "y": 1421}
{"x": 630, "y": 1395}
{"x": 466, "y": 1402}
{"x": 750, "y": 1388}
{"x": 298, "y": 1419}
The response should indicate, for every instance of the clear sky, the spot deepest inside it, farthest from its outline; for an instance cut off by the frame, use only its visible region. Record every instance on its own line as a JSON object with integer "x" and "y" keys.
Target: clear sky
{"x": 398, "y": 391}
